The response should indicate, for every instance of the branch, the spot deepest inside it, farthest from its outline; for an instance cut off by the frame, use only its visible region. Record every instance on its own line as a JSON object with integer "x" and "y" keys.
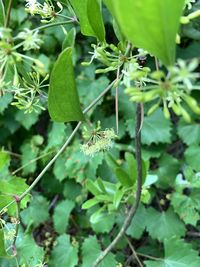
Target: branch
{"x": 7, "y": 18}
{"x": 133, "y": 209}
{"x": 66, "y": 143}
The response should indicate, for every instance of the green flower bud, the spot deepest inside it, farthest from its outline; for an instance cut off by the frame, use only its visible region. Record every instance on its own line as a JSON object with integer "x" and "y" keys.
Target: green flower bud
{"x": 185, "y": 115}
{"x": 166, "y": 110}
{"x": 192, "y": 103}
{"x": 176, "y": 109}
{"x": 153, "y": 109}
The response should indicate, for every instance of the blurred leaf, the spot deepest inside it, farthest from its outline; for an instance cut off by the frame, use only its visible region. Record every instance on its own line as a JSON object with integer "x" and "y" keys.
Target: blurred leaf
{"x": 187, "y": 207}
{"x": 162, "y": 19}
{"x": 168, "y": 169}
{"x": 95, "y": 19}
{"x": 91, "y": 250}
{"x": 151, "y": 133}
{"x": 29, "y": 252}
{"x": 63, "y": 100}
{"x": 80, "y": 8}
{"x": 189, "y": 133}
{"x": 191, "y": 157}
{"x": 37, "y": 211}
{"x": 177, "y": 254}
{"x": 64, "y": 254}
{"x": 3, "y": 253}
{"x": 138, "y": 223}
{"x": 69, "y": 39}
{"x": 123, "y": 177}
{"x": 6, "y": 99}
{"x": 132, "y": 166}
{"x": 61, "y": 215}
{"x": 166, "y": 223}
{"x": 2, "y": 13}
{"x": 57, "y": 134}
{"x": 4, "y": 164}
{"x": 10, "y": 187}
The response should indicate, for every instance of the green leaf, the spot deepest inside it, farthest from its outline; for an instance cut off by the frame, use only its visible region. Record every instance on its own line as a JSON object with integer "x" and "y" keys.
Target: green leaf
{"x": 69, "y": 39}
{"x": 177, "y": 254}
{"x": 132, "y": 166}
{"x": 138, "y": 223}
{"x": 10, "y": 187}
{"x": 80, "y": 8}
{"x": 28, "y": 251}
{"x": 6, "y": 99}
{"x": 95, "y": 19}
{"x": 57, "y": 134}
{"x": 117, "y": 198}
{"x": 26, "y": 120}
{"x": 59, "y": 169}
{"x": 190, "y": 134}
{"x": 3, "y": 253}
{"x": 64, "y": 254}
{"x": 168, "y": 169}
{"x": 90, "y": 203}
{"x": 90, "y": 252}
{"x": 151, "y": 133}
{"x": 187, "y": 207}
{"x": 2, "y": 13}
{"x": 61, "y": 215}
{"x": 123, "y": 177}
{"x": 37, "y": 211}
{"x": 191, "y": 157}
{"x": 4, "y": 164}
{"x": 167, "y": 224}
{"x": 63, "y": 100}
{"x": 159, "y": 24}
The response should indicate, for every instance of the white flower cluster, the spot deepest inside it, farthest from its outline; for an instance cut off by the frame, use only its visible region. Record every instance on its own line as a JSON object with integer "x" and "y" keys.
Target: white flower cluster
{"x": 100, "y": 141}
{"x": 45, "y": 10}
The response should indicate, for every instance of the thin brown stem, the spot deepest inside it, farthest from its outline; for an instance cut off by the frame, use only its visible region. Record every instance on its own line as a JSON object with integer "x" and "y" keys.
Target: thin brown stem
{"x": 134, "y": 252}
{"x": 18, "y": 202}
{"x": 133, "y": 209}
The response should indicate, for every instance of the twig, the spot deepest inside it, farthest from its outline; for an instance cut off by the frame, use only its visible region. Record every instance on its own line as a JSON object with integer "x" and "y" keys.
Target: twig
{"x": 66, "y": 143}
{"x": 7, "y": 18}
{"x": 18, "y": 202}
{"x": 134, "y": 252}
{"x": 117, "y": 101}
{"x": 133, "y": 209}
{"x": 43, "y": 27}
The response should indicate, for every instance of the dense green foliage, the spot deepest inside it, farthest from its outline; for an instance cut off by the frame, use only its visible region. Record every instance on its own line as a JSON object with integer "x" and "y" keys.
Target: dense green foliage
{"x": 80, "y": 203}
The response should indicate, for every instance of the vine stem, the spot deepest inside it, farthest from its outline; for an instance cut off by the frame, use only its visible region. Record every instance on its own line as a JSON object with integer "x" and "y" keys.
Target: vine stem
{"x": 60, "y": 23}
{"x": 134, "y": 252}
{"x": 66, "y": 143}
{"x": 133, "y": 209}
{"x": 7, "y": 18}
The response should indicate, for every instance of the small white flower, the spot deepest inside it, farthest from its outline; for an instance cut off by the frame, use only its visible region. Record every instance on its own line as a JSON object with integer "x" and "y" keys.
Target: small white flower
{"x": 32, "y": 6}
{"x": 188, "y": 3}
{"x": 31, "y": 39}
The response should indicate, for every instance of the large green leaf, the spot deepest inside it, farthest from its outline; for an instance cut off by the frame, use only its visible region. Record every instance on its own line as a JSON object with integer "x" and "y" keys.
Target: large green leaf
{"x": 151, "y": 25}
{"x": 61, "y": 215}
{"x": 63, "y": 100}
{"x": 177, "y": 254}
{"x": 95, "y": 19}
{"x": 167, "y": 224}
{"x": 64, "y": 253}
{"x": 90, "y": 18}
{"x": 91, "y": 250}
